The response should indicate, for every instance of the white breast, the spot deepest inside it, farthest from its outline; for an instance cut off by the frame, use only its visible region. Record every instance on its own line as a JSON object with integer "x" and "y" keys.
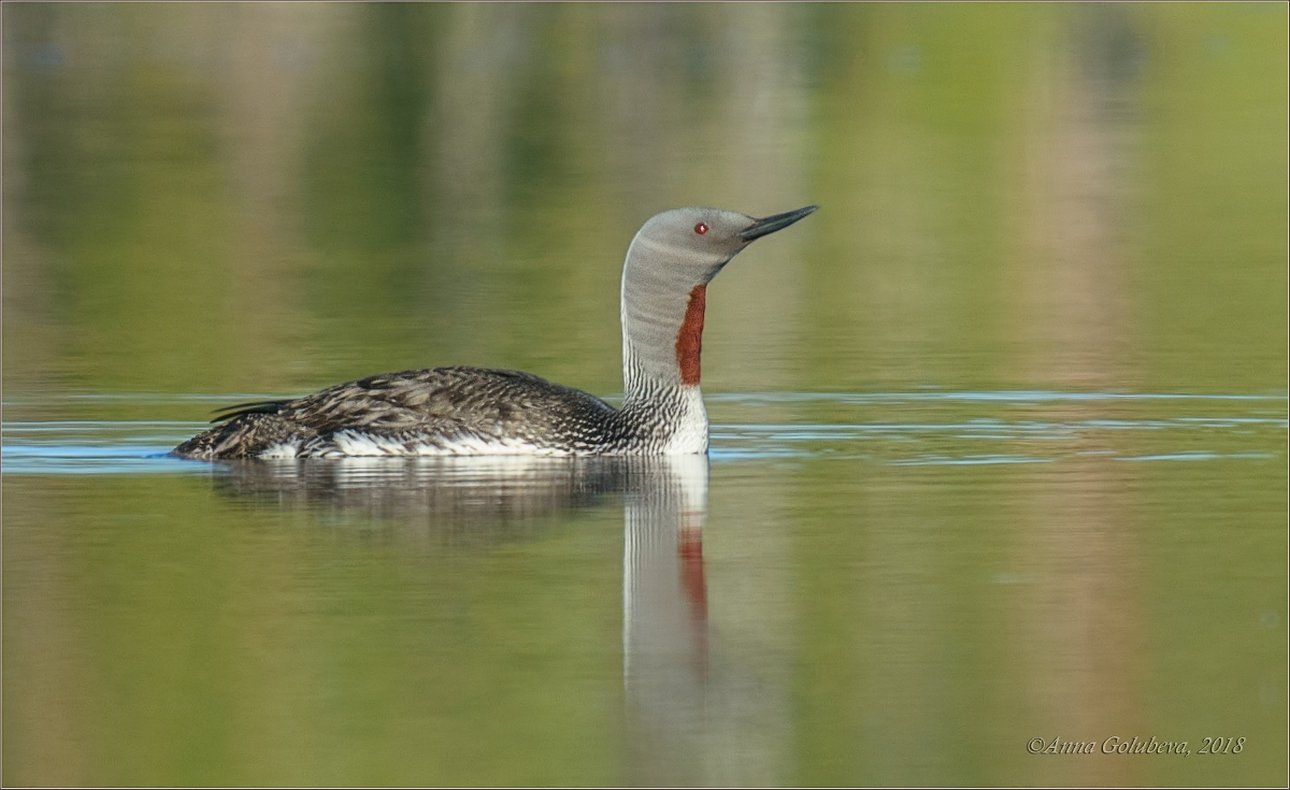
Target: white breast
{"x": 691, "y": 436}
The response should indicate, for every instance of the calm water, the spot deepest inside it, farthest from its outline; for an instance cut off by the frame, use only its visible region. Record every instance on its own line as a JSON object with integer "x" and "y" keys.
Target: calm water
{"x": 999, "y": 445}
{"x": 873, "y": 588}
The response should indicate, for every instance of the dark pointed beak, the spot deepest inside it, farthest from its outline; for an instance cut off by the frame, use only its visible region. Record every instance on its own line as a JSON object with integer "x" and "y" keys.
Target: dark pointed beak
{"x": 774, "y": 222}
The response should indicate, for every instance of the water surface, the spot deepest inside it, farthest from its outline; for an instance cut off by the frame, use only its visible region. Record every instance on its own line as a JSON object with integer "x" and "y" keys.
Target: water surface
{"x": 834, "y": 589}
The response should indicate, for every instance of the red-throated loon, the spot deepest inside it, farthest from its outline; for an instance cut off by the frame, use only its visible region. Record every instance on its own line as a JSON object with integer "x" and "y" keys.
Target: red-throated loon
{"x": 474, "y": 411}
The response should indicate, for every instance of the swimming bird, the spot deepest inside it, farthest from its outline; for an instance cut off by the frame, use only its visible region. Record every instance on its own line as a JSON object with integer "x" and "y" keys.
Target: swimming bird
{"x": 478, "y": 411}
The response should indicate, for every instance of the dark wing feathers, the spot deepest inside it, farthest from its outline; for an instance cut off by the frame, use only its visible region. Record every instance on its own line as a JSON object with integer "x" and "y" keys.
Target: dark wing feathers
{"x": 472, "y": 398}
{"x": 433, "y": 404}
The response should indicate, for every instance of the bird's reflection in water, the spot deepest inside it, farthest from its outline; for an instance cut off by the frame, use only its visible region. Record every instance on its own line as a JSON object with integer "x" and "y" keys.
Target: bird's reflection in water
{"x": 665, "y": 622}
{"x": 454, "y": 500}
{"x": 437, "y": 500}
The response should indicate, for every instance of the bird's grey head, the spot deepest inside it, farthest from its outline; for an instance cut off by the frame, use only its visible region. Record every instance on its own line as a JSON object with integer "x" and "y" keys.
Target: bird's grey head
{"x": 669, "y": 265}
{"x": 690, "y": 245}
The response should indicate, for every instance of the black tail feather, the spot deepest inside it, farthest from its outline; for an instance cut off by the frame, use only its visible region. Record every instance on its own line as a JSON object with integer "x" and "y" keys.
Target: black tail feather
{"x": 254, "y": 407}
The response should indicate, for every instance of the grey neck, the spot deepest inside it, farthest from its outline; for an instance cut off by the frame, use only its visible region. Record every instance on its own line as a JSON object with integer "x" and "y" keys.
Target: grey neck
{"x": 656, "y": 295}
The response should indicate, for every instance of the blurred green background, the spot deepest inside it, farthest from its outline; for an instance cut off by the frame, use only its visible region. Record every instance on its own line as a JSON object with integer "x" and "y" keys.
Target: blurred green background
{"x": 214, "y": 199}
{"x": 237, "y": 197}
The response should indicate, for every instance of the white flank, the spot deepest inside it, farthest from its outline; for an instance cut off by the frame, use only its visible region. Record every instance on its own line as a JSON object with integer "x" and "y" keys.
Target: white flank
{"x": 355, "y": 443}
{"x": 280, "y": 450}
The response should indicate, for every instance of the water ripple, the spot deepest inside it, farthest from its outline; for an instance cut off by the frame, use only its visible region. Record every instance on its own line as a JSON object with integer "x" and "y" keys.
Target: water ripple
{"x": 930, "y": 428}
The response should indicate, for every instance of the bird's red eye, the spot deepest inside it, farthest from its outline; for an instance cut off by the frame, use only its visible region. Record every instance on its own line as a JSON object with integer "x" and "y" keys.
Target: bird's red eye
{"x": 701, "y": 229}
